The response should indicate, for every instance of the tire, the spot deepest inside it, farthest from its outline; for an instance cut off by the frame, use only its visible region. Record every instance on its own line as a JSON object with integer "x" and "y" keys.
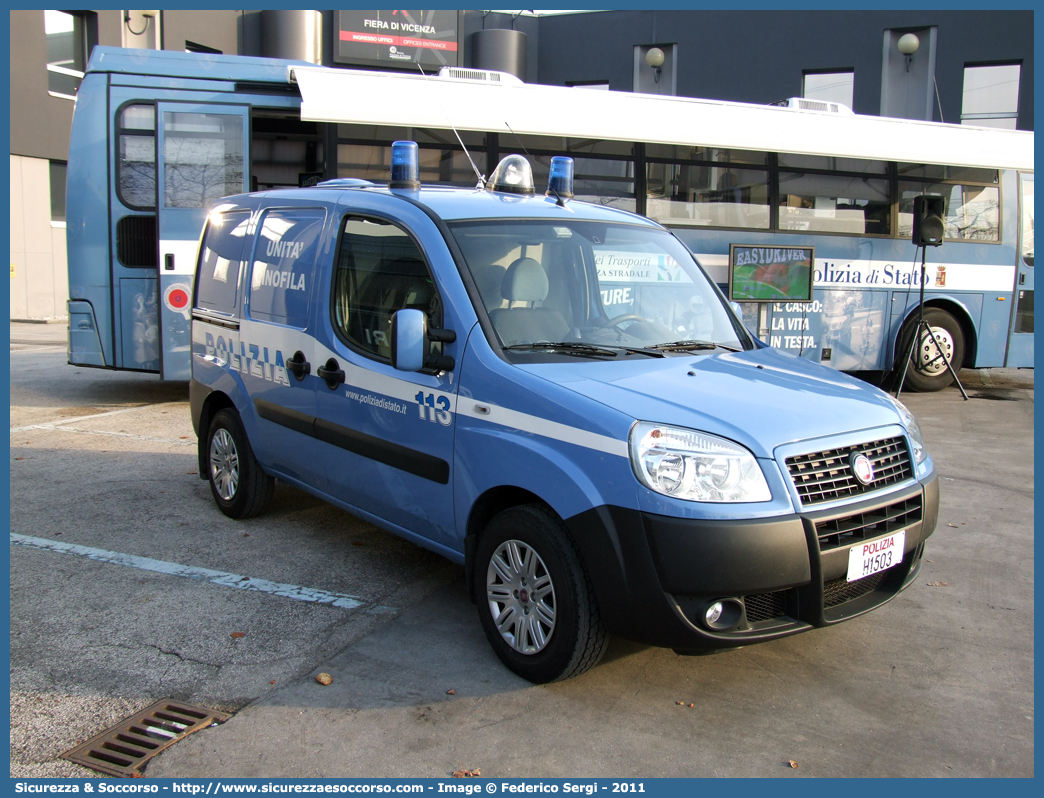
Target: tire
{"x": 936, "y": 375}
{"x": 241, "y": 489}
{"x": 562, "y": 634}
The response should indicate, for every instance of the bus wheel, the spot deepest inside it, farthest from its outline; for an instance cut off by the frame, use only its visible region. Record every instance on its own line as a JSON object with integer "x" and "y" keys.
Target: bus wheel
{"x": 241, "y": 489}
{"x": 927, "y": 371}
{"x": 536, "y": 604}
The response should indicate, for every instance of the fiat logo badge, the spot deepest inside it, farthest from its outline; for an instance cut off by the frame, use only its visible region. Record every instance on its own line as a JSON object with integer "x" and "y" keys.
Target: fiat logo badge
{"x": 862, "y": 468}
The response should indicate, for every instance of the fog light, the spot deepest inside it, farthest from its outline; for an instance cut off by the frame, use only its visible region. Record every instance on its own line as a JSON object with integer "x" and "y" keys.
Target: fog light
{"x": 722, "y": 615}
{"x": 714, "y": 612}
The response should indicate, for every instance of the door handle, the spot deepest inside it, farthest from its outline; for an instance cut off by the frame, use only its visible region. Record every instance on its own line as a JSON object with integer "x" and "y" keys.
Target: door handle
{"x": 168, "y": 262}
{"x": 300, "y": 367}
{"x": 331, "y": 373}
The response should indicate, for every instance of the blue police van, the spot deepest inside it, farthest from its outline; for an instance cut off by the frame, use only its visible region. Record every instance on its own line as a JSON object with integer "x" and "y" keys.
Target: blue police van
{"x": 440, "y": 362}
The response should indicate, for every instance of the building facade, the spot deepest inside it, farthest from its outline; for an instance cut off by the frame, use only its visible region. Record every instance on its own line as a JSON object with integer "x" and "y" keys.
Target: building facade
{"x": 970, "y": 67}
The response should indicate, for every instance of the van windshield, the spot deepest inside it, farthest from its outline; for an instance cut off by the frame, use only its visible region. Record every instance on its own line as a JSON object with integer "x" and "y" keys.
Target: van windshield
{"x": 599, "y": 289}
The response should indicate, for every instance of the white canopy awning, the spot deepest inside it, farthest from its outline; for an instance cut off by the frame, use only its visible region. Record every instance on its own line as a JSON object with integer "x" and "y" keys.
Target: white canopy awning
{"x": 381, "y": 98}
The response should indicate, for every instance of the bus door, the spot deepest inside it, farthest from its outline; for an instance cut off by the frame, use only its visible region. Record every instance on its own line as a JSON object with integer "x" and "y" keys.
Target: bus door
{"x": 1020, "y": 346}
{"x": 202, "y": 156}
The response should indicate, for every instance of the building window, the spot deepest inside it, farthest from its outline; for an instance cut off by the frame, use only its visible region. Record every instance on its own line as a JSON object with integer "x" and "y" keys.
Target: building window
{"x": 66, "y": 53}
{"x": 836, "y": 86}
{"x": 991, "y": 96}
{"x": 58, "y": 170}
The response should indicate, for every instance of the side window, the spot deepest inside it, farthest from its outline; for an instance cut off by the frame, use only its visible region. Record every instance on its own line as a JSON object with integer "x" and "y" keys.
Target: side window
{"x": 283, "y": 269}
{"x": 220, "y": 260}
{"x": 972, "y": 213}
{"x": 712, "y": 195}
{"x": 380, "y": 270}
{"x": 136, "y": 159}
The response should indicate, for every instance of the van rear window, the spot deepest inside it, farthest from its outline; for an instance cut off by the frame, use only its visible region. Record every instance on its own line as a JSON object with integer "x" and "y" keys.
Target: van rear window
{"x": 220, "y": 260}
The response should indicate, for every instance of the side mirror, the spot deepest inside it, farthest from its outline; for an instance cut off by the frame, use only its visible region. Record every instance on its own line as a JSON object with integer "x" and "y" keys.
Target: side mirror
{"x": 409, "y": 339}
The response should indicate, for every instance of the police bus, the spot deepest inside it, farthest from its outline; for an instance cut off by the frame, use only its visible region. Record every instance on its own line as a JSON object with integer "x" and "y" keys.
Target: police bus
{"x": 157, "y": 137}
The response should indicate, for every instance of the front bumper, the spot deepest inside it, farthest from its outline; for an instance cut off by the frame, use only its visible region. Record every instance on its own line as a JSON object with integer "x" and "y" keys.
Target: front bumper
{"x": 654, "y": 574}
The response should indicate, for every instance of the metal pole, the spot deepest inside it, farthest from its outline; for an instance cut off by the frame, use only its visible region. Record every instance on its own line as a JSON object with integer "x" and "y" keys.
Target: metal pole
{"x": 917, "y": 329}
{"x": 915, "y": 343}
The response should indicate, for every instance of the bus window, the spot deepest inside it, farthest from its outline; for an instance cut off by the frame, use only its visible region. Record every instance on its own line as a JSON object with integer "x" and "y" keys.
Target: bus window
{"x": 972, "y": 212}
{"x": 372, "y": 162}
{"x": 567, "y": 146}
{"x": 601, "y": 181}
{"x": 284, "y": 151}
{"x": 136, "y": 165}
{"x": 956, "y": 174}
{"x": 692, "y": 152}
{"x": 833, "y": 204}
{"x": 828, "y": 163}
{"x": 202, "y": 158}
{"x": 364, "y": 151}
{"x": 714, "y": 195}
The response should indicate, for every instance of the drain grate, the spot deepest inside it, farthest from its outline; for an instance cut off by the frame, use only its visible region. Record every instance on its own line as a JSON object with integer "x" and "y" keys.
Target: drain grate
{"x": 126, "y": 747}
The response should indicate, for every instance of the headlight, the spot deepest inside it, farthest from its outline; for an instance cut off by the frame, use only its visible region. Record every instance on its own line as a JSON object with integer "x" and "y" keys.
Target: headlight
{"x": 695, "y": 466}
{"x": 919, "y": 451}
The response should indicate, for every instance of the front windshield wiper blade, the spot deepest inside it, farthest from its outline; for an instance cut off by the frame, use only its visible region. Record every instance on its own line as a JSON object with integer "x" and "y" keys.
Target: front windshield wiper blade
{"x": 691, "y": 346}
{"x": 651, "y": 351}
{"x": 565, "y": 347}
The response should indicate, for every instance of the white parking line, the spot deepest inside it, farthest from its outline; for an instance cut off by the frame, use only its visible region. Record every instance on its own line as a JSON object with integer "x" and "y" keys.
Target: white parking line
{"x": 59, "y": 423}
{"x": 63, "y": 428}
{"x": 33, "y": 348}
{"x": 222, "y": 578}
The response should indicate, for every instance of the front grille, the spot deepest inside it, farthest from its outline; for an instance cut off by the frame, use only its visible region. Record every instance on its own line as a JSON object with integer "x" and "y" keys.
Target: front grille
{"x": 838, "y": 591}
{"x": 763, "y": 606}
{"x": 851, "y": 529}
{"x": 826, "y": 476}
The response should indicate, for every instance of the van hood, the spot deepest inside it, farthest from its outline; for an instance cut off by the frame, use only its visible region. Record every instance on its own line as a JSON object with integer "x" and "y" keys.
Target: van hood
{"x": 761, "y": 398}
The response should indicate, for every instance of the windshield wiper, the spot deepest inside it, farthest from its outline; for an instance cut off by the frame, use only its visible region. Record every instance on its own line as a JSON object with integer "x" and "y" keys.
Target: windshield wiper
{"x": 651, "y": 351}
{"x": 691, "y": 346}
{"x": 565, "y": 347}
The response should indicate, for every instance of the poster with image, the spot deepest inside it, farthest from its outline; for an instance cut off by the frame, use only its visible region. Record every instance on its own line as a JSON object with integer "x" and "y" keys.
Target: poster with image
{"x": 770, "y": 274}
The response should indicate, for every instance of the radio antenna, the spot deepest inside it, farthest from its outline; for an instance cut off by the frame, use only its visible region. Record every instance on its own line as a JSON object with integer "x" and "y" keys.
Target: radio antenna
{"x": 481, "y": 177}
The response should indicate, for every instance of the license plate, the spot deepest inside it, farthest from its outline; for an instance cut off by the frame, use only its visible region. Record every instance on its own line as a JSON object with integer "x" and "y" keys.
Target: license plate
{"x": 873, "y": 556}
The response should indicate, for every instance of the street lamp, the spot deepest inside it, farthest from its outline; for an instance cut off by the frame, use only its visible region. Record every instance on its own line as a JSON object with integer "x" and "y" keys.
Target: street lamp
{"x": 654, "y": 57}
{"x": 908, "y": 44}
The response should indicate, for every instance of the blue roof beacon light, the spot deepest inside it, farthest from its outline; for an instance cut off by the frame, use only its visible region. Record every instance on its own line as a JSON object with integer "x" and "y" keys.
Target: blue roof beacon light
{"x": 513, "y": 175}
{"x": 405, "y": 169}
{"x": 560, "y": 180}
